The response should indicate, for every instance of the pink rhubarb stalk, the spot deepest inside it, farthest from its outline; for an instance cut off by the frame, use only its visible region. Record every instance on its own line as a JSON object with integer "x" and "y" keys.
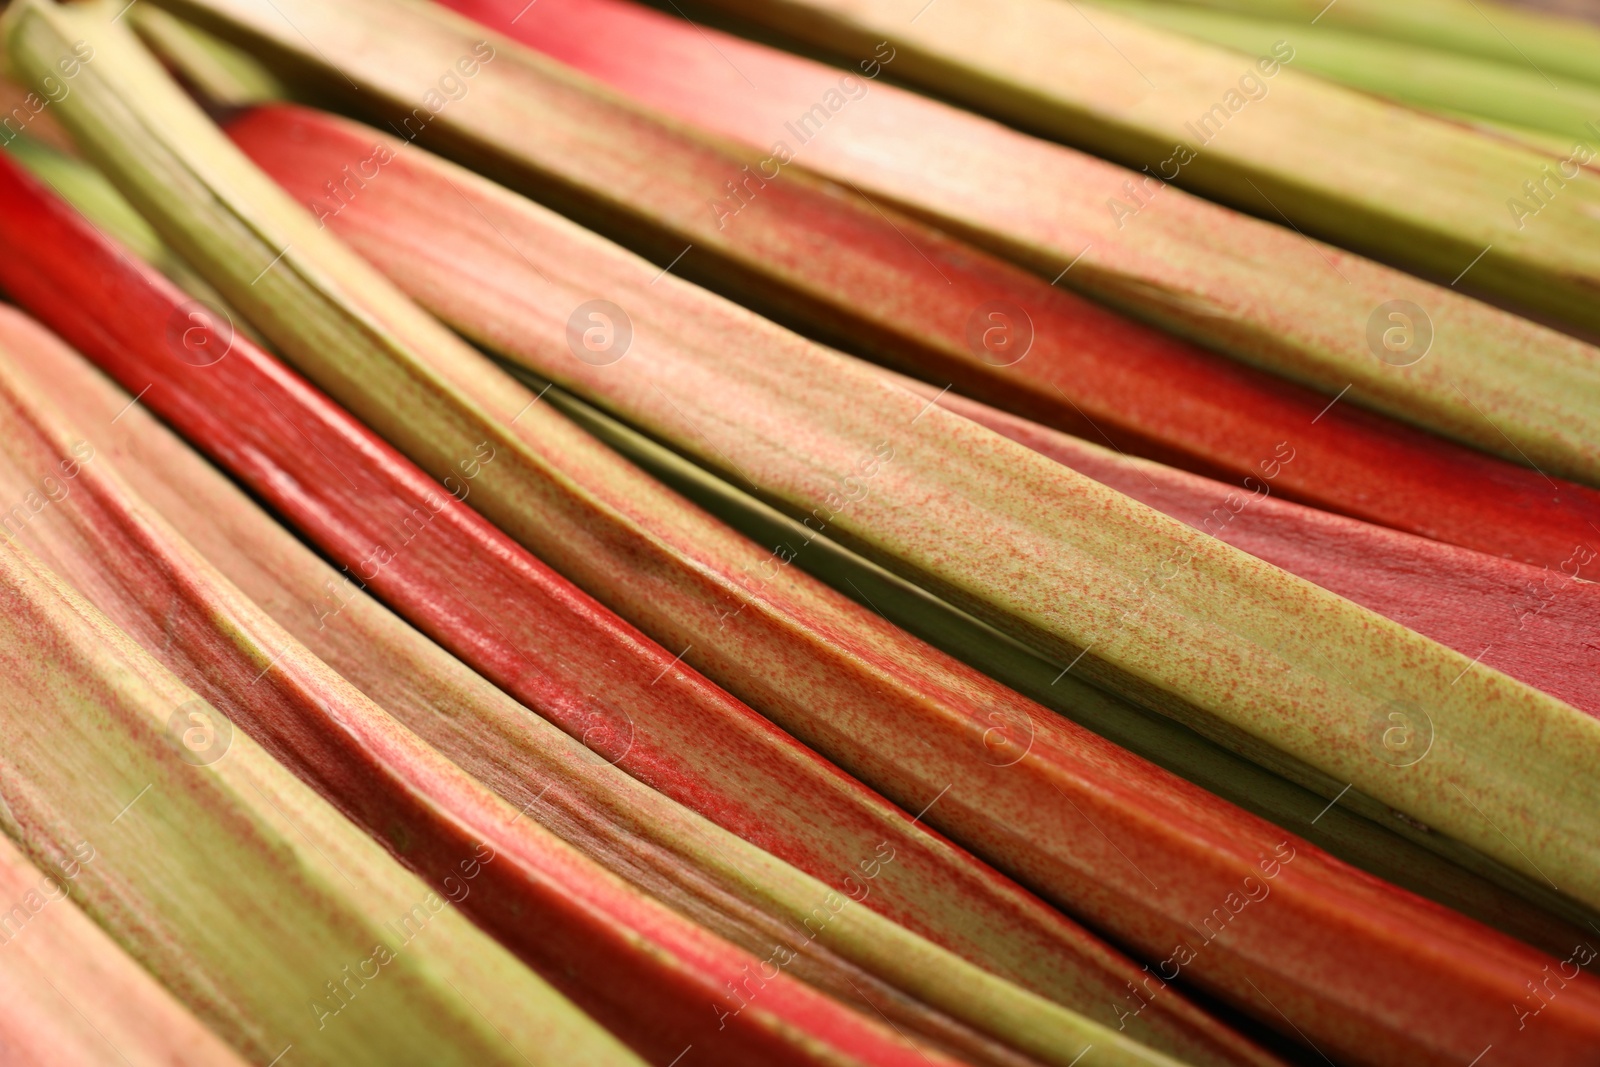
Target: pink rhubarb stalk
{"x": 652, "y": 977}
{"x": 1539, "y": 625}
{"x": 1015, "y": 808}
{"x": 69, "y": 996}
{"x": 1226, "y": 280}
{"x": 491, "y": 602}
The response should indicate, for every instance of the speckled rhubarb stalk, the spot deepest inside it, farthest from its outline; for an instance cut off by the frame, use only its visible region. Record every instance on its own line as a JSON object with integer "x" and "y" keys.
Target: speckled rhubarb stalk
{"x": 826, "y": 258}
{"x": 823, "y": 666}
{"x": 1355, "y": 829}
{"x": 707, "y": 873}
{"x": 200, "y": 405}
{"x": 69, "y": 996}
{"x": 654, "y": 979}
{"x": 1405, "y": 187}
{"x": 809, "y": 428}
{"x": 1250, "y": 288}
{"x": 653, "y": 717}
{"x": 1537, "y": 625}
{"x": 755, "y": 900}
{"x": 272, "y": 917}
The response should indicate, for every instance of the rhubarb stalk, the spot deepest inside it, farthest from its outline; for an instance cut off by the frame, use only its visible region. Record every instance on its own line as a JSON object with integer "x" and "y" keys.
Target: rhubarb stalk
{"x": 654, "y": 718}
{"x": 69, "y": 996}
{"x": 496, "y": 292}
{"x": 1256, "y": 290}
{"x": 914, "y": 297}
{"x": 1538, "y": 625}
{"x": 1511, "y": 34}
{"x": 1134, "y": 91}
{"x": 1427, "y": 863}
{"x": 413, "y": 381}
{"x": 335, "y": 952}
{"x": 1516, "y": 96}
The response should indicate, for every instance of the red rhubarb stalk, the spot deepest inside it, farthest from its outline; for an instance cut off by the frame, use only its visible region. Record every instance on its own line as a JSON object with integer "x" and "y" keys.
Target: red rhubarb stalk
{"x": 700, "y": 870}
{"x": 1540, "y": 625}
{"x": 244, "y": 892}
{"x": 652, "y": 977}
{"x": 1015, "y": 812}
{"x": 487, "y": 599}
{"x": 1140, "y": 95}
{"x": 553, "y": 487}
{"x": 1088, "y": 371}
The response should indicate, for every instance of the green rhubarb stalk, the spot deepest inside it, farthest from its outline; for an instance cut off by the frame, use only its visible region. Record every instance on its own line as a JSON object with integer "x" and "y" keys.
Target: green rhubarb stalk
{"x": 1375, "y": 840}
{"x": 274, "y": 919}
{"x": 24, "y": 109}
{"x": 1266, "y": 657}
{"x": 434, "y": 397}
{"x": 1513, "y": 35}
{"x": 937, "y": 889}
{"x": 88, "y": 190}
{"x": 1515, "y": 96}
{"x": 705, "y": 873}
{"x": 98, "y": 201}
{"x": 222, "y": 74}
{"x": 504, "y": 871}
{"x": 1256, "y": 133}
{"x": 617, "y": 167}
{"x": 69, "y": 996}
